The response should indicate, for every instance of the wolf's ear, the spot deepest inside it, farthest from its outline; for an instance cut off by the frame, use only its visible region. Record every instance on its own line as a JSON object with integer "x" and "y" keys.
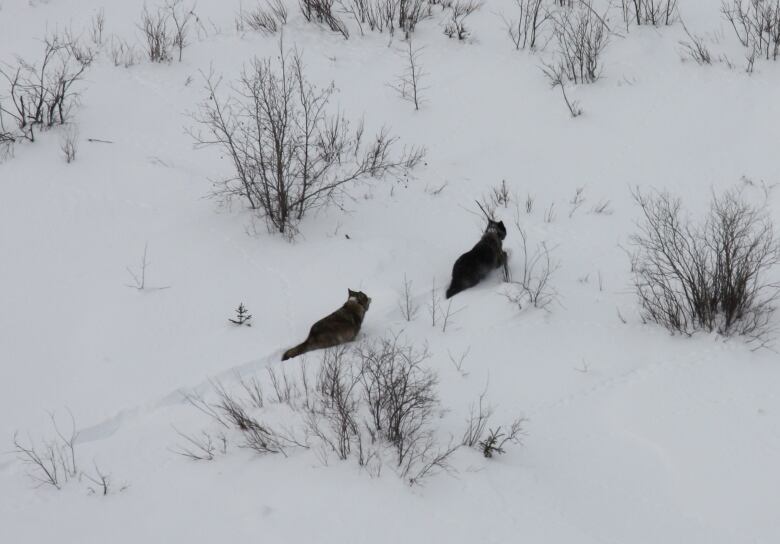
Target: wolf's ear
{"x": 502, "y": 225}
{"x": 351, "y": 293}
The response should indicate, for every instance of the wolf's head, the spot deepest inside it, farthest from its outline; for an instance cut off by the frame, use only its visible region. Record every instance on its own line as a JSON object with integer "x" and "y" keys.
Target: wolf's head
{"x": 497, "y": 228}
{"x": 360, "y": 297}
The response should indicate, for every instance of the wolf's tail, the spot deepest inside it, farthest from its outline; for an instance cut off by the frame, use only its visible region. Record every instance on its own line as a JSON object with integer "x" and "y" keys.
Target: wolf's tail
{"x": 297, "y": 350}
{"x": 453, "y": 290}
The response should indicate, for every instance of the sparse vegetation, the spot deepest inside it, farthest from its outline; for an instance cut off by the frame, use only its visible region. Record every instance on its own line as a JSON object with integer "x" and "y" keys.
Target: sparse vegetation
{"x": 409, "y": 307}
{"x": 374, "y": 402}
{"x": 710, "y": 276}
{"x": 409, "y": 84}
{"x": 156, "y": 32}
{"x": 525, "y": 30}
{"x": 138, "y": 275}
{"x": 649, "y": 12}
{"x": 182, "y": 18}
{"x": 581, "y": 36}
{"x": 321, "y": 11}
{"x": 268, "y": 19}
{"x": 757, "y": 26}
{"x": 69, "y": 143}
{"x": 52, "y": 462}
{"x": 290, "y": 154}
{"x": 123, "y": 53}
{"x": 98, "y": 25}
{"x": 40, "y": 96}
{"x": 459, "y": 12}
{"x": 696, "y": 49}
{"x": 533, "y": 284}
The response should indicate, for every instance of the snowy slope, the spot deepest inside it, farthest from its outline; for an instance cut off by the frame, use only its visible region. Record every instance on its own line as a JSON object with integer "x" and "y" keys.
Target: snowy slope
{"x": 633, "y": 435}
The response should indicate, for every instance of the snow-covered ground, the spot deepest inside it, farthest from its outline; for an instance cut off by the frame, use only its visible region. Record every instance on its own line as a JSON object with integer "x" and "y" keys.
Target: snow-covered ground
{"x": 632, "y": 435}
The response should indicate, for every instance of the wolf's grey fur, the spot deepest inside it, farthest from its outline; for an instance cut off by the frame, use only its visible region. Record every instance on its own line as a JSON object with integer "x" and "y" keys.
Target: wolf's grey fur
{"x": 340, "y": 327}
{"x": 475, "y": 264}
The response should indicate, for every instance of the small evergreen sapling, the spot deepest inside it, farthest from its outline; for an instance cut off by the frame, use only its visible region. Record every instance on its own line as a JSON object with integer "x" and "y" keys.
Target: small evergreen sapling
{"x": 495, "y": 440}
{"x": 242, "y": 316}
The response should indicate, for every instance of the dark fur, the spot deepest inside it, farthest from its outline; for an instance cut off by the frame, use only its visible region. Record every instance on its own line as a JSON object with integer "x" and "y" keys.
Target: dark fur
{"x": 474, "y": 265}
{"x": 340, "y": 327}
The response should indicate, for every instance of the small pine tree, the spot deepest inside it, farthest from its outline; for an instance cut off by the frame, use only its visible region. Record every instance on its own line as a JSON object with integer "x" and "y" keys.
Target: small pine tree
{"x": 242, "y": 316}
{"x": 493, "y": 443}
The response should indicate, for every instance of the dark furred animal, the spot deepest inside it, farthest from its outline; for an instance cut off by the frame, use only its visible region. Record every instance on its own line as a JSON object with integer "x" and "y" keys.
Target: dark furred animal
{"x": 340, "y": 327}
{"x": 474, "y": 265}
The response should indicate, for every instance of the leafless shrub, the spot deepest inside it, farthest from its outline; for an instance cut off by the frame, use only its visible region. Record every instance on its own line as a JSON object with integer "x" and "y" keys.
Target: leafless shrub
{"x": 98, "y": 24}
{"x": 279, "y": 10}
{"x": 410, "y": 13}
{"x": 101, "y": 480}
{"x": 499, "y": 196}
{"x": 283, "y": 387}
{"x": 263, "y": 439}
{"x": 581, "y": 36}
{"x": 123, "y": 53}
{"x": 555, "y": 74}
{"x": 53, "y": 462}
{"x": 459, "y": 12}
{"x": 458, "y": 362}
{"x": 232, "y": 409}
{"x": 449, "y": 313}
{"x": 385, "y": 381}
{"x": 337, "y": 384}
{"x": 197, "y": 447}
{"x": 696, "y": 49}
{"x": 254, "y": 390}
{"x": 182, "y": 18}
{"x": 549, "y": 213}
{"x": 157, "y": 34}
{"x": 268, "y": 19}
{"x": 7, "y": 140}
{"x": 479, "y": 417}
{"x": 757, "y": 26}
{"x": 400, "y": 394}
{"x": 537, "y": 268}
{"x": 42, "y": 95}
{"x": 529, "y": 203}
{"x": 380, "y": 15}
{"x": 428, "y": 460}
{"x": 602, "y": 207}
{"x": 409, "y": 84}
{"x": 69, "y": 143}
{"x": 388, "y": 13}
{"x": 436, "y": 191}
{"x": 139, "y": 274}
{"x": 289, "y": 154}
{"x": 576, "y": 201}
{"x": 649, "y": 12}
{"x": 84, "y": 55}
{"x": 706, "y": 277}
{"x": 365, "y": 12}
{"x": 494, "y": 442}
{"x": 321, "y": 11}
{"x": 257, "y": 436}
{"x": 434, "y": 305}
{"x": 197, "y": 401}
{"x": 366, "y": 399}
{"x": 525, "y": 30}
{"x": 407, "y": 304}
